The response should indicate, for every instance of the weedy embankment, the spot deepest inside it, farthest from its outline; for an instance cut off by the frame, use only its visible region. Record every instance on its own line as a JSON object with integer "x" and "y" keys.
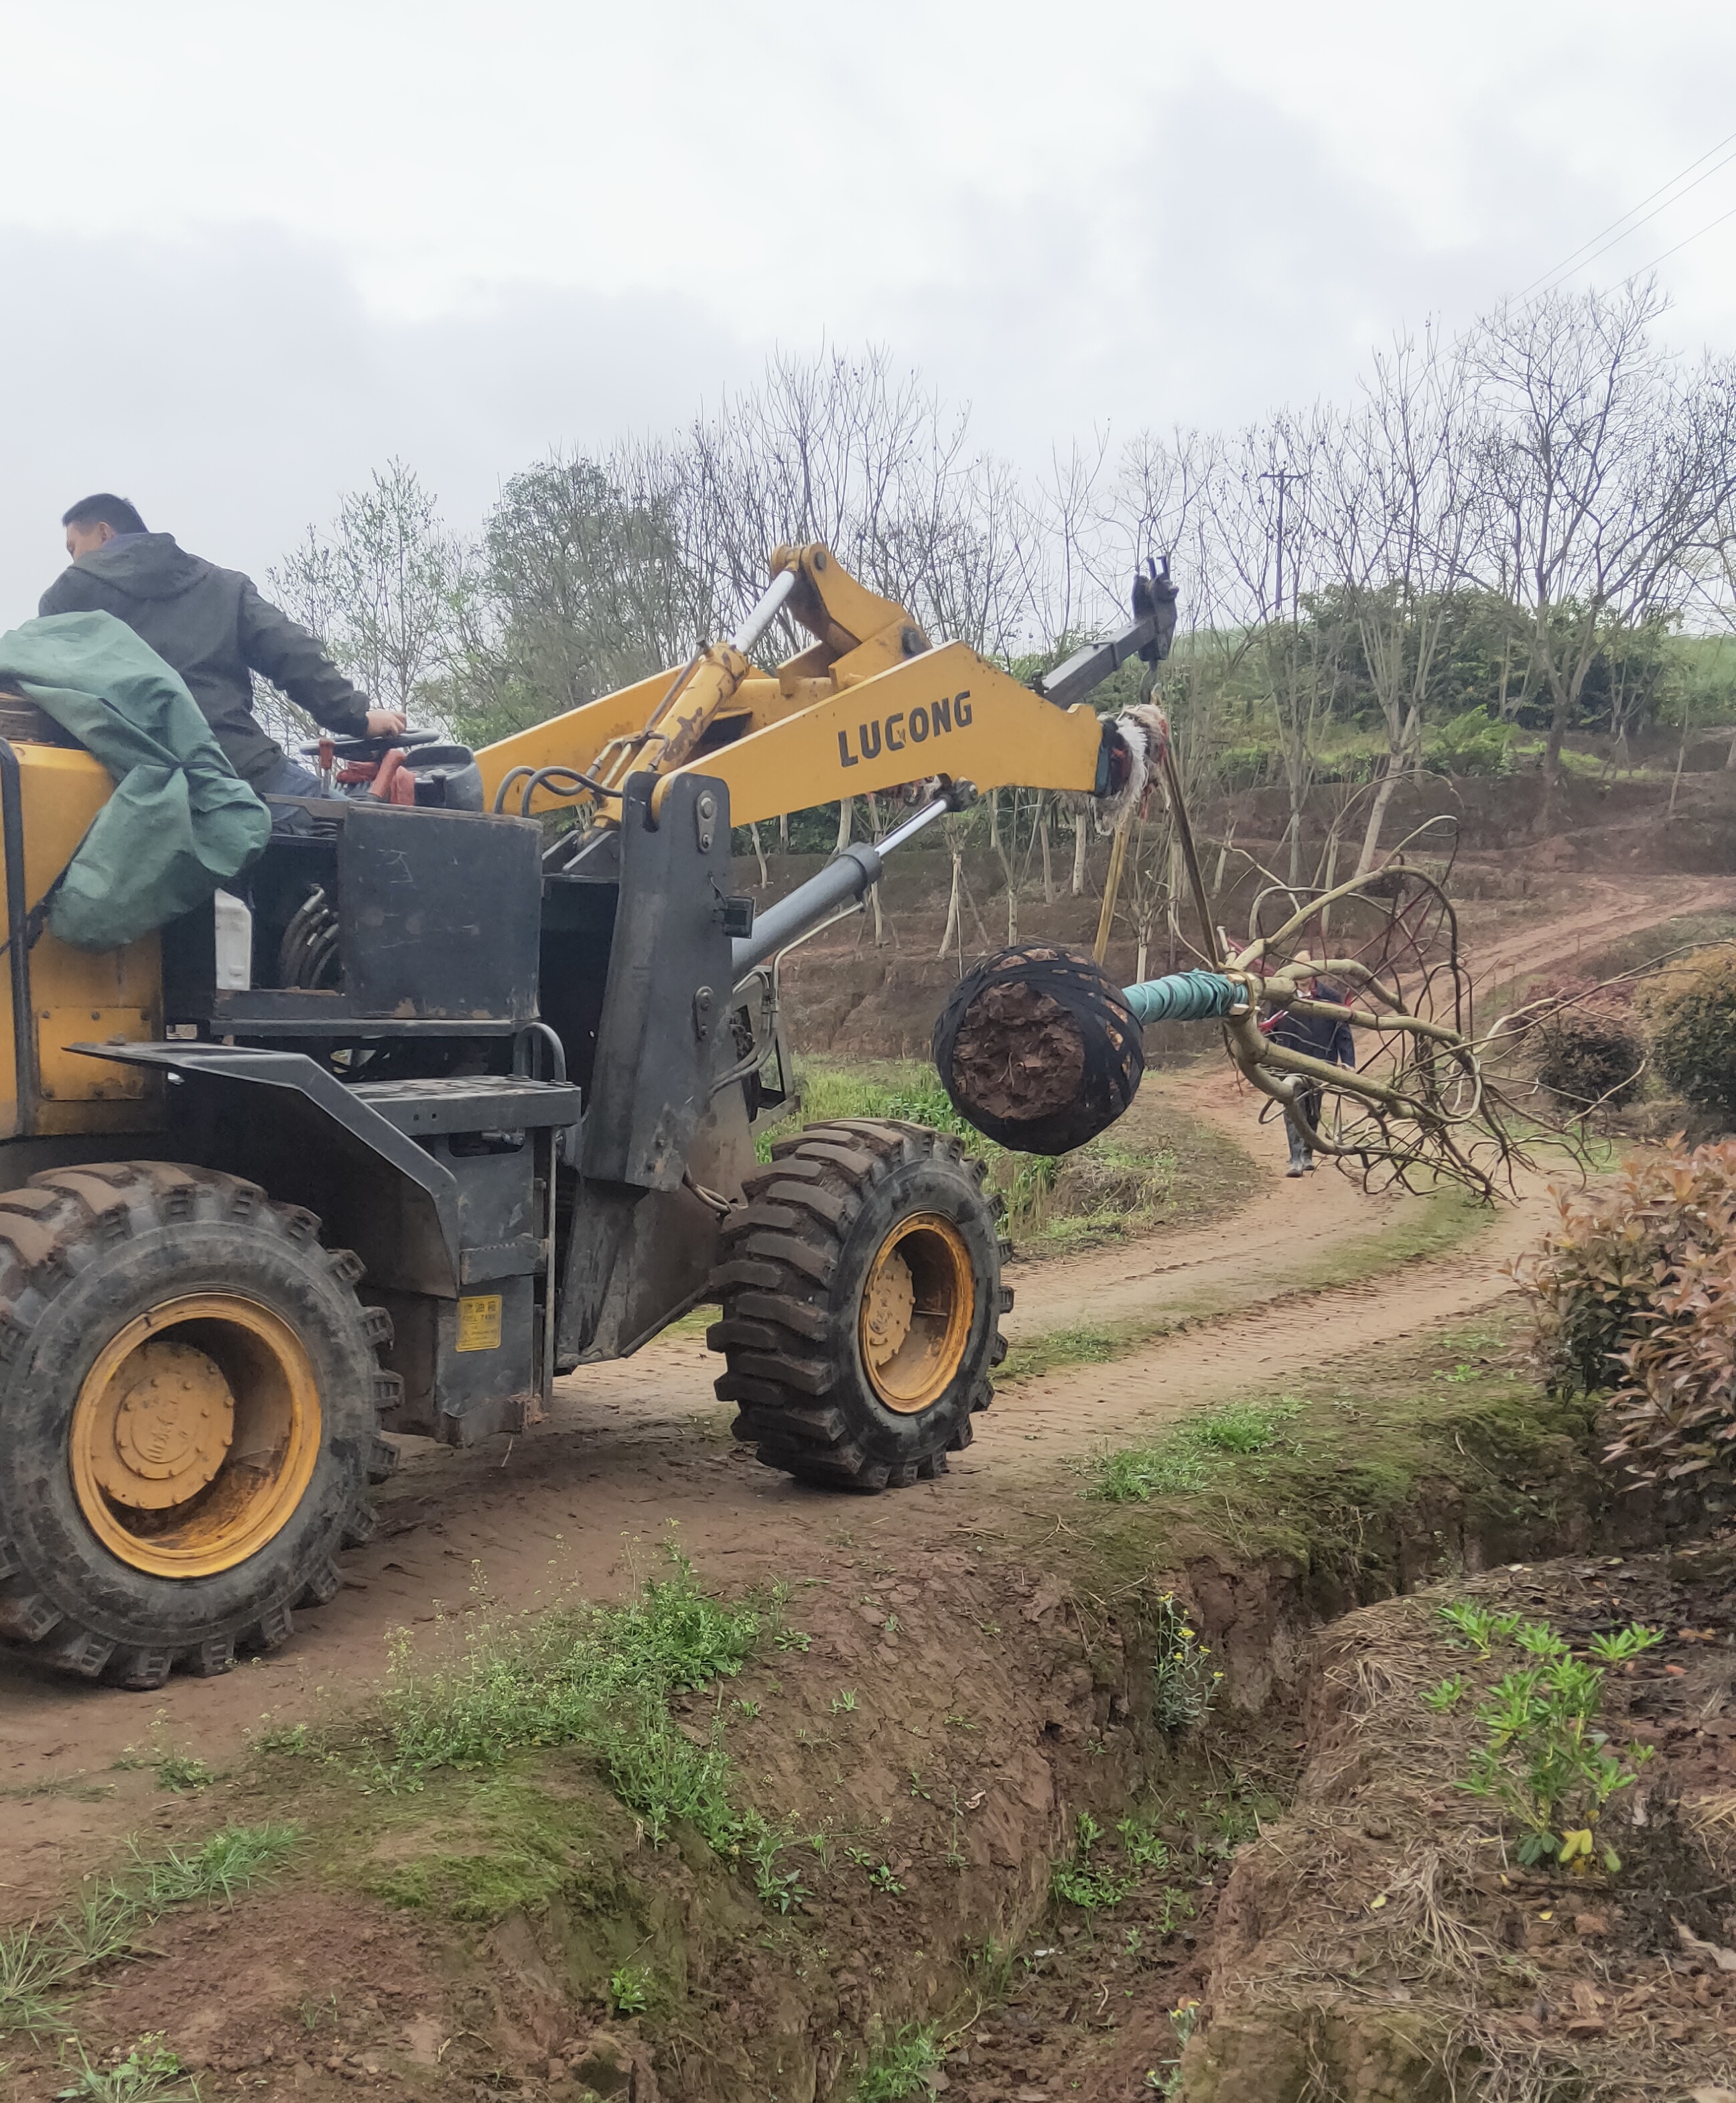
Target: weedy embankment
{"x": 968, "y": 1805}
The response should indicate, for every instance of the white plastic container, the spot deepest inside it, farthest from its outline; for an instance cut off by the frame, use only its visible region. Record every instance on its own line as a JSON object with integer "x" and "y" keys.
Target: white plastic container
{"x": 234, "y": 944}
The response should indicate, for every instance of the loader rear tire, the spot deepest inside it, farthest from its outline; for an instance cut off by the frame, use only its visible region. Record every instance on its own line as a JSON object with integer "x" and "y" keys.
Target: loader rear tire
{"x": 862, "y": 1296}
{"x": 190, "y": 1404}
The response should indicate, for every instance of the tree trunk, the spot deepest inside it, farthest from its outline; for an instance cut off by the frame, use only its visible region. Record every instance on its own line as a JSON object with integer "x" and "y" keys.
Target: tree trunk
{"x": 759, "y": 855}
{"x": 1081, "y": 819}
{"x": 1377, "y": 817}
{"x": 784, "y": 833}
{"x": 951, "y": 932}
{"x": 844, "y": 818}
{"x": 1140, "y": 954}
{"x": 1552, "y": 764}
{"x": 1224, "y": 855}
{"x": 1681, "y": 754}
{"x": 1042, "y": 835}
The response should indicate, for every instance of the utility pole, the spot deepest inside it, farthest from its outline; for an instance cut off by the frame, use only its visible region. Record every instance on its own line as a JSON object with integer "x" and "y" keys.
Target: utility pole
{"x": 1284, "y": 477}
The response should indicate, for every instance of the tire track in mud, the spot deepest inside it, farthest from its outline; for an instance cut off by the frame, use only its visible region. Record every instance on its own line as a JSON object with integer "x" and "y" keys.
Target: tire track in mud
{"x": 631, "y": 1448}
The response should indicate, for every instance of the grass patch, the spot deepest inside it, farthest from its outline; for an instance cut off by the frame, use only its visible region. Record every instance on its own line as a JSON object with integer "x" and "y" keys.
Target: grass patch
{"x": 228, "y": 1863}
{"x": 567, "y": 1675}
{"x": 1366, "y": 1454}
{"x": 600, "y": 1678}
{"x": 901, "y": 2066}
{"x": 41, "y": 1963}
{"x": 507, "y": 1842}
{"x": 1181, "y": 1459}
{"x": 149, "y": 2074}
{"x": 1077, "y": 1344}
{"x": 179, "y": 1773}
{"x": 1156, "y": 1166}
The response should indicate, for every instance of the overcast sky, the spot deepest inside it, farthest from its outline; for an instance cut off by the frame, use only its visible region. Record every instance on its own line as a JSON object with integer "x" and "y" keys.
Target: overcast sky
{"x": 248, "y": 250}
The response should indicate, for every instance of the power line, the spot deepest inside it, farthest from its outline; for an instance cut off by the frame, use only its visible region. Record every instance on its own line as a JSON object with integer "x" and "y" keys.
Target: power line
{"x": 1574, "y": 259}
{"x": 1680, "y": 245}
{"x": 1616, "y": 241}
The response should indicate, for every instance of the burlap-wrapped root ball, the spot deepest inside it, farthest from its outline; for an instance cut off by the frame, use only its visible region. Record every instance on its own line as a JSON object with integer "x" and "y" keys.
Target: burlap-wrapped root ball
{"x": 1038, "y": 1049}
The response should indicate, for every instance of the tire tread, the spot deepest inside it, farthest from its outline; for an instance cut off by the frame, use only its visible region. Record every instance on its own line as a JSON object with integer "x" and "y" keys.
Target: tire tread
{"x": 48, "y": 1229}
{"x": 777, "y": 1257}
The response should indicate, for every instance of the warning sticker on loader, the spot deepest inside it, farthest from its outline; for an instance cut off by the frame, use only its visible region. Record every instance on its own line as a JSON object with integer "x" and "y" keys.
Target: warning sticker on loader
{"x": 479, "y": 1322}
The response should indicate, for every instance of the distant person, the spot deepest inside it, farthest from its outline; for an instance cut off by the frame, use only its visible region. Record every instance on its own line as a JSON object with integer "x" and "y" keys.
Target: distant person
{"x": 213, "y": 628}
{"x": 1321, "y": 1037}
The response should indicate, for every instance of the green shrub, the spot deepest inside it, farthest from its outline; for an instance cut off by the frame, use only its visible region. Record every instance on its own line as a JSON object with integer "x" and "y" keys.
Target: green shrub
{"x": 1691, "y": 1008}
{"x": 1179, "y": 1459}
{"x": 1473, "y": 743}
{"x": 1590, "y": 1055}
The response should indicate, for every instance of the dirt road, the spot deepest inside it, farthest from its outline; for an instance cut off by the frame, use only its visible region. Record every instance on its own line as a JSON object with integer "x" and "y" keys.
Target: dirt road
{"x": 1283, "y": 1283}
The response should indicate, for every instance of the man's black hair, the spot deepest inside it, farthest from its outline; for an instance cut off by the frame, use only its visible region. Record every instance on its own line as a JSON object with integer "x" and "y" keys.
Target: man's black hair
{"x": 103, "y": 509}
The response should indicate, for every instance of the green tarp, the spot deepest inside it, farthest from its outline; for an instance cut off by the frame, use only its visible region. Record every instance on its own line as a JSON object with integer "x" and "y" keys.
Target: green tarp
{"x": 180, "y": 822}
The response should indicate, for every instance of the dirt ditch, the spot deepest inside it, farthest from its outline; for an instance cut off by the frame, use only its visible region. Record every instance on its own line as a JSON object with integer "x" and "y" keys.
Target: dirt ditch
{"x": 1002, "y": 1850}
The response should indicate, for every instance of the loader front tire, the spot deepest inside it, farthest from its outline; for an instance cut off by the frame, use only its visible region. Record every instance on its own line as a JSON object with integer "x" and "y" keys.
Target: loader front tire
{"x": 189, "y": 1402}
{"x": 861, "y": 1295}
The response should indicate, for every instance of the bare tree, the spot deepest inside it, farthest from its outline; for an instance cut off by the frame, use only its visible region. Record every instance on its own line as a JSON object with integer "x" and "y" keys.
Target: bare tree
{"x": 1605, "y": 465}
{"x": 1265, "y": 524}
{"x": 854, "y": 453}
{"x": 1392, "y": 524}
{"x": 380, "y": 587}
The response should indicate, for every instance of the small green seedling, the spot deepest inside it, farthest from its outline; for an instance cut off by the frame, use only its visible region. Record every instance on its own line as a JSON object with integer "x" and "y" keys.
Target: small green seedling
{"x": 630, "y": 1989}
{"x": 1475, "y": 1627}
{"x": 1620, "y": 1645}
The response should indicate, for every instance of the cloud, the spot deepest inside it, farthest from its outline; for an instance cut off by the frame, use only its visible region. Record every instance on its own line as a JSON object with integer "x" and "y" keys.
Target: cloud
{"x": 235, "y": 384}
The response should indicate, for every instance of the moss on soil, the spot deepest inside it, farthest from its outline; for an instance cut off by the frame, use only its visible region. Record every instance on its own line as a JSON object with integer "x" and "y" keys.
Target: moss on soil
{"x": 1377, "y": 1473}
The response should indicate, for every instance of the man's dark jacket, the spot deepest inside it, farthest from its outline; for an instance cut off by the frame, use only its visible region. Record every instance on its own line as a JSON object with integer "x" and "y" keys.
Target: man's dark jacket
{"x": 215, "y": 630}
{"x": 1319, "y": 1036}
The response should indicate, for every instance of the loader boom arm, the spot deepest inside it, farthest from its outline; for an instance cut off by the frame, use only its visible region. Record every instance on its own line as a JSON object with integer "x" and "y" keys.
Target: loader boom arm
{"x": 869, "y": 707}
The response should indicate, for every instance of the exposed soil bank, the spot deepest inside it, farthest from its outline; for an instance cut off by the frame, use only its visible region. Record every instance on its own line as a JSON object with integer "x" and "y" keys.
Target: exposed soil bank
{"x": 936, "y": 1719}
{"x": 1380, "y": 1940}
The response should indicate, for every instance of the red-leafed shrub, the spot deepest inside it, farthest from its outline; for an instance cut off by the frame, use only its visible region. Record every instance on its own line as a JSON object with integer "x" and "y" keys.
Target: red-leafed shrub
{"x": 1635, "y": 1291}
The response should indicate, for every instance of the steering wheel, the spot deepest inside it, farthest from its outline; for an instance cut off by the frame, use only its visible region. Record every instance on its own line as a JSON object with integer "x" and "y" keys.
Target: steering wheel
{"x": 354, "y": 749}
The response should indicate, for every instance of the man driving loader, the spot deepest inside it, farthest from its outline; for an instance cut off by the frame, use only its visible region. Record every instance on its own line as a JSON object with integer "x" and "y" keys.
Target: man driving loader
{"x": 213, "y": 628}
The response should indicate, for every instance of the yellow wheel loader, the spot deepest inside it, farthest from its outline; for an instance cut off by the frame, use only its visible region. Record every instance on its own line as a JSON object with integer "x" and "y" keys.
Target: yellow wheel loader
{"x": 437, "y": 1104}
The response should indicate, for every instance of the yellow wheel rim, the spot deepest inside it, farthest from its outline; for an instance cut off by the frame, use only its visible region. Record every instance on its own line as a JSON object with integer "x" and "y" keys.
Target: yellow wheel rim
{"x": 915, "y": 1321}
{"x": 195, "y": 1434}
